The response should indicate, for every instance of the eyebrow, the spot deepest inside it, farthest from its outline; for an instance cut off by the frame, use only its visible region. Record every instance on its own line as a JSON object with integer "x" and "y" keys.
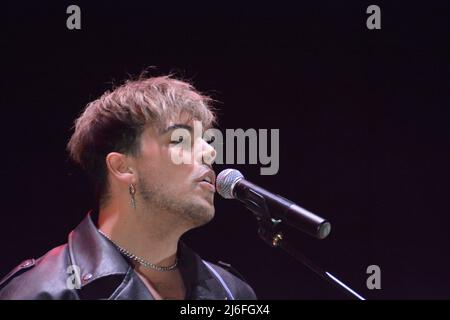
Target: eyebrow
{"x": 177, "y": 126}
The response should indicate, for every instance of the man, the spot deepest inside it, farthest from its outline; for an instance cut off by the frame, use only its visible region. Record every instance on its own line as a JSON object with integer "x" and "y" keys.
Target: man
{"x": 129, "y": 246}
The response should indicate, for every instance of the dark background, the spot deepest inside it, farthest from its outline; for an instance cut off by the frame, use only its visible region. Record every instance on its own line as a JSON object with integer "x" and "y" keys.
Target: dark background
{"x": 363, "y": 118}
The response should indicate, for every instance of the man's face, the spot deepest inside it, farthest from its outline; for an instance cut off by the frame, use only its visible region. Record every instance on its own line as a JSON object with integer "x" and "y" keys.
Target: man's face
{"x": 183, "y": 192}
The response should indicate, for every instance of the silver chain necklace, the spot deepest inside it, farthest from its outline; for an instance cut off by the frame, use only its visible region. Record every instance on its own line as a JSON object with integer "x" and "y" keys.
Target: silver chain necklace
{"x": 141, "y": 261}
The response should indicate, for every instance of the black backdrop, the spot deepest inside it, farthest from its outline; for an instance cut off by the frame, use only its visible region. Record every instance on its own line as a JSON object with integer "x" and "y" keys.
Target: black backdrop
{"x": 363, "y": 118}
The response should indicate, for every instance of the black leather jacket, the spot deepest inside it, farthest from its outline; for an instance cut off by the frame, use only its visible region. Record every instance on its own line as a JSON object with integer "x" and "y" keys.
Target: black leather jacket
{"x": 90, "y": 267}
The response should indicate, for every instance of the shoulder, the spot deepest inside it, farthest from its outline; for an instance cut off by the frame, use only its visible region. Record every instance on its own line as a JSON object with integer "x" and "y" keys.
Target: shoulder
{"x": 43, "y": 278}
{"x": 232, "y": 279}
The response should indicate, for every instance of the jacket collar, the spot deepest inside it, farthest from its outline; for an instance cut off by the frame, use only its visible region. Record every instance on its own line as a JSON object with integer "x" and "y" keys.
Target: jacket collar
{"x": 98, "y": 258}
{"x": 94, "y": 254}
{"x": 200, "y": 283}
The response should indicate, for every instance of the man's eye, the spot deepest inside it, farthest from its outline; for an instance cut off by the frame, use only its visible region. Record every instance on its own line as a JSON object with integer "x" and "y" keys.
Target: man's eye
{"x": 177, "y": 141}
{"x": 211, "y": 139}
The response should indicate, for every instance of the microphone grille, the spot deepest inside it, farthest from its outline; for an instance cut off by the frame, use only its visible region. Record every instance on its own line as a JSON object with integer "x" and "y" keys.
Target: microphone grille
{"x": 225, "y": 182}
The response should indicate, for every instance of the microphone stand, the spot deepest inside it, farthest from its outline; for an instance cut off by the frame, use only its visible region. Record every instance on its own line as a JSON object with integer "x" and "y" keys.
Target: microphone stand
{"x": 269, "y": 230}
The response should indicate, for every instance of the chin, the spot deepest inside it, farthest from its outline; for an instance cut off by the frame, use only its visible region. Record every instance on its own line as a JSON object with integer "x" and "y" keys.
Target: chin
{"x": 201, "y": 215}
{"x": 207, "y": 215}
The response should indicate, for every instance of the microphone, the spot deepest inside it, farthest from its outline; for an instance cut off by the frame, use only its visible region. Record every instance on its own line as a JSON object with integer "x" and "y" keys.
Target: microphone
{"x": 231, "y": 184}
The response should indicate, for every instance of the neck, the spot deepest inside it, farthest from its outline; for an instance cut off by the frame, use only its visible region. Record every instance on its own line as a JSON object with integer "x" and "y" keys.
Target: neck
{"x": 146, "y": 233}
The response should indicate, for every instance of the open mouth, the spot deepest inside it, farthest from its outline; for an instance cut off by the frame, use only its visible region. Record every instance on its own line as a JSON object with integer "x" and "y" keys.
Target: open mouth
{"x": 208, "y": 180}
{"x": 207, "y": 186}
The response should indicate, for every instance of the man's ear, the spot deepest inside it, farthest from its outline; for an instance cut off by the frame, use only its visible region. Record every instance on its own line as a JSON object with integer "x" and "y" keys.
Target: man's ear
{"x": 118, "y": 165}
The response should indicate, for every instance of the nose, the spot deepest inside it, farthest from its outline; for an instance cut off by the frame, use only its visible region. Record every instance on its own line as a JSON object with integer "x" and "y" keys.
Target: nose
{"x": 206, "y": 153}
